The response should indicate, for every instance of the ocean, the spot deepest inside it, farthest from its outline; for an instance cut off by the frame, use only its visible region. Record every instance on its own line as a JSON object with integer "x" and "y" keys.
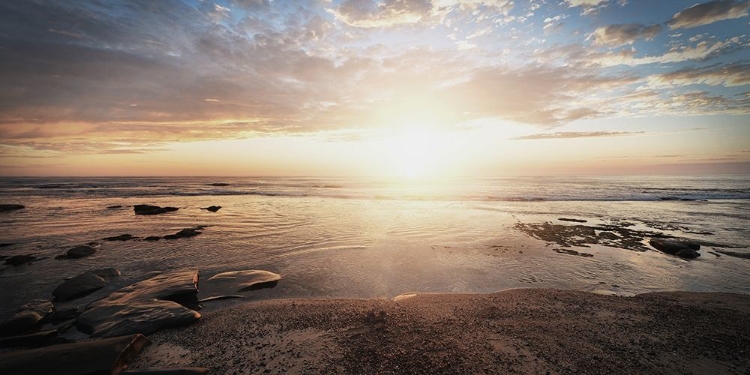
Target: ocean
{"x": 359, "y": 238}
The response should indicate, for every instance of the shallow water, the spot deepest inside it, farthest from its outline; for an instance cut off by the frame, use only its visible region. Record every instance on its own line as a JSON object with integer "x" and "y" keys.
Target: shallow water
{"x": 347, "y": 238}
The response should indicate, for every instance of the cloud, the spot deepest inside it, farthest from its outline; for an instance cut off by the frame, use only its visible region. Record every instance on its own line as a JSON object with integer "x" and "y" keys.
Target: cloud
{"x": 588, "y": 6}
{"x": 571, "y": 135}
{"x": 731, "y": 75}
{"x": 709, "y": 12}
{"x": 701, "y": 51}
{"x": 370, "y": 14}
{"x": 619, "y": 34}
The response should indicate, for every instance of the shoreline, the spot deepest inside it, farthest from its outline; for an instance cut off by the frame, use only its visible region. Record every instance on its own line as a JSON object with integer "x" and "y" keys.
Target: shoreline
{"x": 516, "y": 330}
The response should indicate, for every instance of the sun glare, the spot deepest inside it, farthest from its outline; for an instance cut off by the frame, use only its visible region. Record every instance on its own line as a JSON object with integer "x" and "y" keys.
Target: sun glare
{"x": 414, "y": 153}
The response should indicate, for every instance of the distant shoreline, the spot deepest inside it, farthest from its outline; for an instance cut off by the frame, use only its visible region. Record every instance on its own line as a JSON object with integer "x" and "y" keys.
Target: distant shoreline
{"x": 517, "y": 330}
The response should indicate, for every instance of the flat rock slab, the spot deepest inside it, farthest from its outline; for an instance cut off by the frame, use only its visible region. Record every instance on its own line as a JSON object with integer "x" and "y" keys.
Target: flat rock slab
{"x": 77, "y": 252}
{"x": 143, "y": 307}
{"x": 107, "y": 356}
{"x": 27, "y": 319}
{"x": 247, "y": 279}
{"x": 147, "y": 209}
{"x": 84, "y": 284}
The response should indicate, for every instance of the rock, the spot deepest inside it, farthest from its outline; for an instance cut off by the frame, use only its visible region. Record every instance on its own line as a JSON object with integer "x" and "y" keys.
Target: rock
{"x": 147, "y": 209}
{"x": 572, "y": 220}
{"x": 734, "y": 254}
{"x": 573, "y": 252}
{"x": 62, "y": 314}
{"x": 168, "y": 371}
{"x": 122, "y": 237}
{"x": 11, "y": 207}
{"x": 32, "y": 340}
{"x": 219, "y": 184}
{"x": 248, "y": 279}
{"x": 143, "y": 307}
{"x": 27, "y": 319}
{"x": 213, "y": 208}
{"x": 114, "y": 207}
{"x": 18, "y": 260}
{"x": 107, "y": 356}
{"x": 77, "y": 252}
{"x": 219, "y": 298}
{"x": 682, "y": 249}
{"x": 6, "y": 244}
{"x": 152, "y": 238}
{"x": 185, "y": 233}
{"x": 84, "y": 284}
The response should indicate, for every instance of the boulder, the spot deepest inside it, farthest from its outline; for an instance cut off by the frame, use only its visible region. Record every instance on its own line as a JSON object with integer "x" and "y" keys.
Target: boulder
{"x": 27, "y": 319}
{"x": 143, "y": 307}
{"x": 683, "y": 249}
{"x": 213, "y": 208}
{"x": 31, "y": 340}
{"x": 17, "y": 260}
{"x": 84, "y": 284}
{"x": 11, "y": 207}
{"x": 77, "y": 252}
{"x": 107, "y": 356}
{"x": 147, "y": 209}
{"x": 247, "y": 279}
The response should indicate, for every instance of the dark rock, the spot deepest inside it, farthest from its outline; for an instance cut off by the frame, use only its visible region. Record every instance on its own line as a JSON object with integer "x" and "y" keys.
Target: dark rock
{"x": 114, "y": 207}
{"x": 168, "y": 371}
{"x": 32, "y": 340}
{"x": 62, "y": 314}
{"x": 77, "y": 252}
{"x": 107, "y": 356}
{"x": 11, "y": 207}
{"x": 572, "y": 220}
{"x": 143, "y": 307}
{"x": 122, "y": 237}
{"x": 147, "y": 209}
{"x": 185, "y": 233}
{"x": 6, "y": 244}
{"x": 682, "y": 249}
{"x": 152, "y": 238}
{"x": 27, "y": 319}
{"x": 84, "y": 284}
{"x": 219, "y": 184}
{"x": 248, "y": 279}
{"x": 213, "y": 208}
{"x": 18, "y": 260}
{"x": 573, "y": 252}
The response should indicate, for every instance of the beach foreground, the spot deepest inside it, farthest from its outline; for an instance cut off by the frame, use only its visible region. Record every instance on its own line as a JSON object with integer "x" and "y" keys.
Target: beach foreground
{"x": 514, "y": 331}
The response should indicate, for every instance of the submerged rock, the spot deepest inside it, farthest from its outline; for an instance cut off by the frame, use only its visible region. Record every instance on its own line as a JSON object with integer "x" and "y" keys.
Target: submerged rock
{"x": 573, "y": 252}
{"x": 107, "y": 356}
{"x": 185, "y": 233}
{"x": 122, "y": 237}
{"x": 84, "y": 284}
{"x": 152, "y": 238}
{"x": 27, "y": 319}
{"x": 77, "y": 252}
{"x": 114, "y": 207}
{"x": 683, "y": 249}
{"x": 248, "y": 279}
{"x": 143, "y": 307}
{"x": 213, "y": 208}
{"x": 11, "y": 207}
{"x": 147, "y": 209}
{"x": 17, "y": 260}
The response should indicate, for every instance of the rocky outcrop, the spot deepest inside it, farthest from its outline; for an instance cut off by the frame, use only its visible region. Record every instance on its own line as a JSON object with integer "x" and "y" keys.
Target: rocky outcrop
{"x": 77, "y": 252}
{"x": 27, "y": 319}
{"x": 11, "y": 207}
{"x": 107, "y": 356}
{"x": 682, "y": 249}
{"x": 147, "y": 209}
{"x": 247, "y": 279}
{"x": 84, "y": 284}
{"x": 144, "y": 307}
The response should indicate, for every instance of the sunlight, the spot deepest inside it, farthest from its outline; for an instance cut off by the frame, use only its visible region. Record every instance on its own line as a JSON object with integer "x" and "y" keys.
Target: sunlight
{"x": 413, "y": 153}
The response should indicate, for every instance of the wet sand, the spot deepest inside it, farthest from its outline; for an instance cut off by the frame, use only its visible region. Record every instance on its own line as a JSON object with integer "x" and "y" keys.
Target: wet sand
{"x": 514, "y": 331}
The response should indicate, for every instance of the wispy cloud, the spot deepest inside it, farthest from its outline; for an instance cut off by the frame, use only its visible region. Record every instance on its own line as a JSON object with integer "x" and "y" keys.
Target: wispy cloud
{"x": 709, "y": 12}
{"x": 571, "y": 135}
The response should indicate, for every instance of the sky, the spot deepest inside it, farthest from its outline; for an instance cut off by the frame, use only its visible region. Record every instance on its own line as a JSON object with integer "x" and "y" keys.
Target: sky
{"x": 391, "y": 88}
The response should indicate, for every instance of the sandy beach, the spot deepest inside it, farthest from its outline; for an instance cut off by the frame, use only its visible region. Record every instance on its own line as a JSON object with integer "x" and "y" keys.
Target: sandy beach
{"x": 514, "y": 331}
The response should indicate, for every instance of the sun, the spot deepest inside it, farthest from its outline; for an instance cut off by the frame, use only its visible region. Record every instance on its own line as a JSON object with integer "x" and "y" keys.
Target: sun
{"x": 412, "y": 153}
